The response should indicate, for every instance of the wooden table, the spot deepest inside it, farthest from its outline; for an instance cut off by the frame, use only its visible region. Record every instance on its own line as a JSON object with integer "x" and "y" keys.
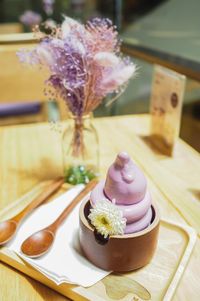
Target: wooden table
{"x": 32, "y": 153}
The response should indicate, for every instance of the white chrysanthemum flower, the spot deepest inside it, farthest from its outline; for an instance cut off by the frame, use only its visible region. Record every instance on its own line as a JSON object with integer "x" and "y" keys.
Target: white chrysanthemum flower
{"x": 107, "y": 219}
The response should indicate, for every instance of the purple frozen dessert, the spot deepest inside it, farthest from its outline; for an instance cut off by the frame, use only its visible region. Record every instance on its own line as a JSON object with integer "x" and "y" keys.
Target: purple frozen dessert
{"x": 126, "y": 187}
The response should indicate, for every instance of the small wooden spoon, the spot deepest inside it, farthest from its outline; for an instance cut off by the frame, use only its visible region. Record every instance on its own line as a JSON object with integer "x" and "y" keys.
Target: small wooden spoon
{"x": 9, "y": 227}
{"x": 40, "y": 242}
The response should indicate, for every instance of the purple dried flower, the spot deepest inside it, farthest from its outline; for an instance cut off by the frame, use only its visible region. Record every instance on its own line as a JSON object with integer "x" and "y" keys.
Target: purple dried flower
{"x": 48, "y": 6}
{"x": 84, "y": 63}
{"x": 30, "y": 18}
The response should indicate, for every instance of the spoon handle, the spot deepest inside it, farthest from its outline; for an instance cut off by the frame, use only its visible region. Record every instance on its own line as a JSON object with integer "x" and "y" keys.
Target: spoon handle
{"x": 48, "y": 191}
{"x": 54, "y": 226}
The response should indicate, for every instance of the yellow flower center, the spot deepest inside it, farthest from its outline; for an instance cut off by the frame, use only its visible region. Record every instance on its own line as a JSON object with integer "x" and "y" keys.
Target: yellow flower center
{"x": 102, "y": 221}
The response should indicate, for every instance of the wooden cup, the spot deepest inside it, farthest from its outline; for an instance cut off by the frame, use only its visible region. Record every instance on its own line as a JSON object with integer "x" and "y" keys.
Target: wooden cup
{"x": 120, "y": 253}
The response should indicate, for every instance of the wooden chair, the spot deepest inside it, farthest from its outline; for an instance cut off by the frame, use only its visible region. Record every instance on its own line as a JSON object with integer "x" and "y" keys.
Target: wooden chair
{"x": 18, "y": 83}
{"x": 6, "y": 28}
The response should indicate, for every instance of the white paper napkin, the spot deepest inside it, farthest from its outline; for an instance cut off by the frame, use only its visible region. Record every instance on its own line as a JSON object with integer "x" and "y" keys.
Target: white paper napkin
{"x": 65, "y": 261}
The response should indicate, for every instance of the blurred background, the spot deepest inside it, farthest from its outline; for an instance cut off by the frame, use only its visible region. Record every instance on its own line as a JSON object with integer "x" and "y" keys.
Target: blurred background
{"x": 165, "y": 32}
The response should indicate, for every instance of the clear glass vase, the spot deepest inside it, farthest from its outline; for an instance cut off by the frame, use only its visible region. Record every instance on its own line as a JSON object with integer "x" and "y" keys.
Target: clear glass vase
{"x": 80, "y": 148}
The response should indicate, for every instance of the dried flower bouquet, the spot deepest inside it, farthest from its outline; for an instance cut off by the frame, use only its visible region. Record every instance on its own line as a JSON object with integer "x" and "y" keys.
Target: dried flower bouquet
{"x": 85, "y": 65}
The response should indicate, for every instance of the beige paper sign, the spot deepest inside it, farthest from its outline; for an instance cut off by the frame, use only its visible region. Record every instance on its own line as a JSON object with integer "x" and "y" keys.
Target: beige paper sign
{"x": 166, "y": 107}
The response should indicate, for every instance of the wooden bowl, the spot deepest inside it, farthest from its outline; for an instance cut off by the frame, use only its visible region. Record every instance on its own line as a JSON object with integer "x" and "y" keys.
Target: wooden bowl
{"x": 120, "y": 253}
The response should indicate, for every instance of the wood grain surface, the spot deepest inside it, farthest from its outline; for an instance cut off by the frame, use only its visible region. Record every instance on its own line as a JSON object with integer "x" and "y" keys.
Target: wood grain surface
{"x": 32, "y": 153}
{"x": 29, "y": 86}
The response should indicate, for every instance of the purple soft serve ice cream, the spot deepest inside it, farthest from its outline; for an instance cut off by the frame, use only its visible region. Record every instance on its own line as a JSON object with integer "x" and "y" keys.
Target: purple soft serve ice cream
{"x": 126, "y": 187}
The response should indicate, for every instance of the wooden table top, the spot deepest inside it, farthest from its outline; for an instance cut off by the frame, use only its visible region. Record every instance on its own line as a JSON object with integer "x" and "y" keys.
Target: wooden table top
{"x": 32, "y": 153}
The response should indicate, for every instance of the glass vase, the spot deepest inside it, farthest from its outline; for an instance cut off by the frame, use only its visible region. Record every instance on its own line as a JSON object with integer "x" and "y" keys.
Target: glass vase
{"x": 80, "y": 148}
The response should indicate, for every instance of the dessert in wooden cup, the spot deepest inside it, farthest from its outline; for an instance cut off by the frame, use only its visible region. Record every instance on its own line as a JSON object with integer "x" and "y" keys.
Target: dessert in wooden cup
{"x": 119, "y": 223}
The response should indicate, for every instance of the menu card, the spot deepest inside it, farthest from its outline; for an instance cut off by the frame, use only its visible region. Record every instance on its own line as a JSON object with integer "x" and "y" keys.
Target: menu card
{"x": 166, "y": 106}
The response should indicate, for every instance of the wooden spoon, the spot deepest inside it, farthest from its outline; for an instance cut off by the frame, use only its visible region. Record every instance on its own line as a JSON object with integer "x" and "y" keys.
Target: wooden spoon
{"x": 40, "y": 242}
{"x": 9, "y": 227}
